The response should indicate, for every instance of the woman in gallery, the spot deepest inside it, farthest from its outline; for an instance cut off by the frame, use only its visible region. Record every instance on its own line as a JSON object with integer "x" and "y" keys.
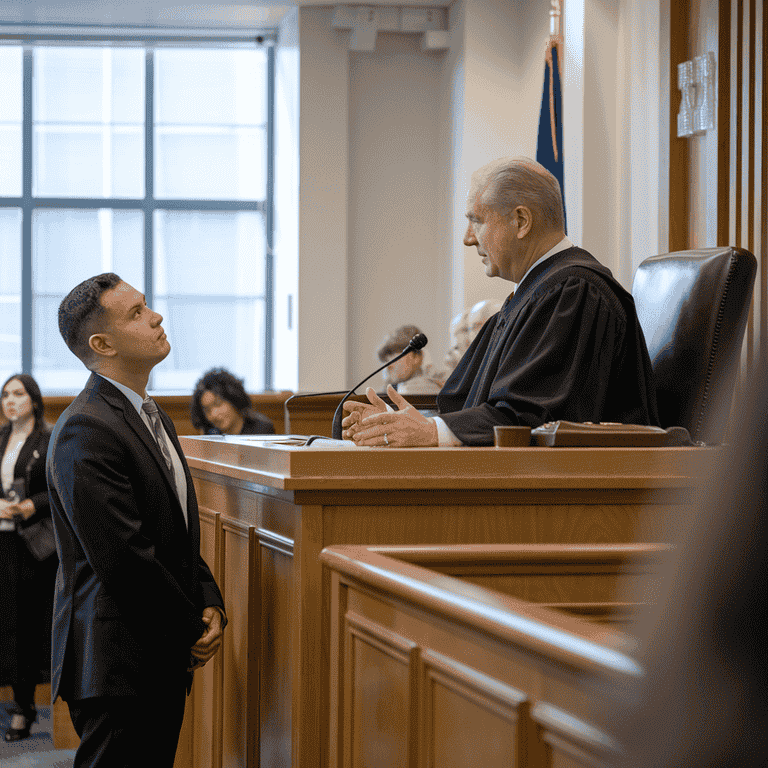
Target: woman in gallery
{"x": 28, "y": 559}
{"x": 220, "y": 405}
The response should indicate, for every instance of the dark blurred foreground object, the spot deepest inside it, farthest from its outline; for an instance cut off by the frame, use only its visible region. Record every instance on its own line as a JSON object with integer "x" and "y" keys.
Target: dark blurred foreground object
{"x": 702, "y": 701}
{"x": 693, "y": 308}
{"x": 220, "y": 405}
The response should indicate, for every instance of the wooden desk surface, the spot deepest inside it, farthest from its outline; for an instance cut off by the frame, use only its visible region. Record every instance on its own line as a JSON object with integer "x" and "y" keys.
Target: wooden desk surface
{"x": 325, "y": 466}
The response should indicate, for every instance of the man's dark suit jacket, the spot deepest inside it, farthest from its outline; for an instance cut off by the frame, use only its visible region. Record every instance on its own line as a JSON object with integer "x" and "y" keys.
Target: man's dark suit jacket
{"x": 131, "y": 585}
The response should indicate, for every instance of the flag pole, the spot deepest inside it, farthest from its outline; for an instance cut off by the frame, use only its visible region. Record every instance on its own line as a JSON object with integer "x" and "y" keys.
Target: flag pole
{"x": 549, "y": 145}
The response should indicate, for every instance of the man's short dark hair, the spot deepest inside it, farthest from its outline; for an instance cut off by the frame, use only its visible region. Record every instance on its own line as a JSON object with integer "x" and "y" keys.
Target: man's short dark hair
{"x": 223, "y": 384}
{"x": 396, "y": 342}
{"x": 81, "y": 311}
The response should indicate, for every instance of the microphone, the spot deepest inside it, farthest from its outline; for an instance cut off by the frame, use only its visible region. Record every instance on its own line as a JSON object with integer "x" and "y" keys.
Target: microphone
{"x": 419, "y": 341}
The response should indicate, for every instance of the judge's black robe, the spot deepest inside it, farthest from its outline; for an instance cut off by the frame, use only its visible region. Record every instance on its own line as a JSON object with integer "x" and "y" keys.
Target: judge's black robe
{"x": 566, "y": 345}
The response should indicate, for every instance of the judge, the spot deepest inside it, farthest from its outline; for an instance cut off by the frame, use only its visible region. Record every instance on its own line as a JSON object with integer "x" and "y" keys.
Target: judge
{"x": 566, "y": 345}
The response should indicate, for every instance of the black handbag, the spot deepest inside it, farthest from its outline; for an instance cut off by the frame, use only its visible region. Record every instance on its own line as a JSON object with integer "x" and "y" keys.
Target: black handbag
{"x": 39, "y": 538}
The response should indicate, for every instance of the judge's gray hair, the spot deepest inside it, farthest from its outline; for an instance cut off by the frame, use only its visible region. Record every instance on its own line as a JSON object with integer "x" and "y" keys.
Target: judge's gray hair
{"x": 514, "y": 181}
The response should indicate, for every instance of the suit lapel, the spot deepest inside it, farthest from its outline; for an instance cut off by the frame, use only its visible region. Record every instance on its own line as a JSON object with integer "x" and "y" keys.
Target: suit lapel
{"x": 191, "y": 500}
{"x": 119, "y": 402}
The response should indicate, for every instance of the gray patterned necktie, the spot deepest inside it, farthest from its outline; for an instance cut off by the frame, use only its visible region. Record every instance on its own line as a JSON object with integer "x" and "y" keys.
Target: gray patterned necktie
{"x": 149, "y": 406}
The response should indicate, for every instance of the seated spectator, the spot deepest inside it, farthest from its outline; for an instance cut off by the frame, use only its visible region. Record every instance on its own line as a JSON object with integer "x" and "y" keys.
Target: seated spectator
{"x": 479, "y": 315}
{"x": 220, "y": 405}
{"x": 412, "y": 374}
{"x": 460, "y": 342}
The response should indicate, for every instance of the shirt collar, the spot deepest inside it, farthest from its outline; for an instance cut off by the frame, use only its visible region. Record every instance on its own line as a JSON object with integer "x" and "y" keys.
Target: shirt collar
{"x": 563, "y": 245}
{"x": 135, "y": 398}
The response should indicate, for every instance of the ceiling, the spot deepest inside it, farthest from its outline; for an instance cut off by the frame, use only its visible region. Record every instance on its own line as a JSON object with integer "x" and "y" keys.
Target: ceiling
{"x": 263, "y": 14}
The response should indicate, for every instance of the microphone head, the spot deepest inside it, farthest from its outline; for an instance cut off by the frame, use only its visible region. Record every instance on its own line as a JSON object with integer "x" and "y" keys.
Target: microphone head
{"x": 417, "y": 342}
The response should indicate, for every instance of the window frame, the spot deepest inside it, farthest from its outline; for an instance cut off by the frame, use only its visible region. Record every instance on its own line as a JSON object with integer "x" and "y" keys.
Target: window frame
{"x": 149, "y": 40}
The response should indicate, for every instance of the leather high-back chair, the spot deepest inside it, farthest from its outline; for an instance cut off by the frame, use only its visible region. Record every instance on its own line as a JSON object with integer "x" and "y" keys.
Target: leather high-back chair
{"x": 693, "y": 308}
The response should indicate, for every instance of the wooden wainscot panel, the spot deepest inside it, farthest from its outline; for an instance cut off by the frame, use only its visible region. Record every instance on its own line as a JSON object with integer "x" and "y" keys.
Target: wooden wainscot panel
{"x": 300, "y": 500}
{"x": 381, "y": 696}
{"x": 276, "y": 588}
{"x": 206, "y": 697}
{"x": 590, "y": 580}
{"x": 485, "y": 660}
{"x": 271, "y": 404}
{"x": 570, "y": 742}
{"x": 240, "y": 715}
{"x": 458, "y": 701}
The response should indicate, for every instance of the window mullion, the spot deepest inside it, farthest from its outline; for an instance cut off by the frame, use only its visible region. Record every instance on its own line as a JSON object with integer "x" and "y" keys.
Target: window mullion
{"x": 149, "y": 176}
{"x": 27, "y": 309}
{"x": 269, "y": 224}
{"x": 149, "y": 183}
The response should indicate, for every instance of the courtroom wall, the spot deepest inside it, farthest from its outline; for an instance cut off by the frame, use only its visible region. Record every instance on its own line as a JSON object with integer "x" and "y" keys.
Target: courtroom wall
{"x": 397, "y": 270}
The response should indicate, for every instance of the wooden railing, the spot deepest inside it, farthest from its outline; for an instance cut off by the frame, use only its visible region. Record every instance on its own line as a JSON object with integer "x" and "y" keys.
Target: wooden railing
{"x": 430, "y": 669}
{"x": 590, "y": 580}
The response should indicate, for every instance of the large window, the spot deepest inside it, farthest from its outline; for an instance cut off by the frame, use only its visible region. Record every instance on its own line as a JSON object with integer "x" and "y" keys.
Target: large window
{"x": 152, "y": 162}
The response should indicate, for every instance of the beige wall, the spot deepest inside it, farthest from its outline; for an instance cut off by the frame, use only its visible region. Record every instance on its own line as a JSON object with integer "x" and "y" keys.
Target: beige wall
{"x": 397, "y": 270}
{"x": 493, "y": 78}
{"x": 394, "y": 135}
{"x": 286, "y": 224}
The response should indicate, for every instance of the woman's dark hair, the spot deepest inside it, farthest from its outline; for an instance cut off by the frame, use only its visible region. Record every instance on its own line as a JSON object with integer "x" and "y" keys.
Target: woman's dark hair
{"x": 30, "y": 385}
{"x": 222, "y": 383}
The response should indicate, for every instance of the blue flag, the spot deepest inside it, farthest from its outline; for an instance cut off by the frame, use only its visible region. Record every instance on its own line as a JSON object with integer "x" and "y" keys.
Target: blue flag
{"x": 549, "y": 148}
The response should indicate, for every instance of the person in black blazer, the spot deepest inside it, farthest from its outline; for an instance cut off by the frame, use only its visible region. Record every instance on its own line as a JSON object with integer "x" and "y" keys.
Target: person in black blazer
{"x": 136, "y": 607}
{"x": 221, "y": 406}
{"x": 26, "y": 595}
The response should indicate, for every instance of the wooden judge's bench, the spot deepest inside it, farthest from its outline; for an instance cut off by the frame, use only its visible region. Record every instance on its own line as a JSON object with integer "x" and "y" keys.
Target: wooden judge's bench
{"x": 267, "y": 510}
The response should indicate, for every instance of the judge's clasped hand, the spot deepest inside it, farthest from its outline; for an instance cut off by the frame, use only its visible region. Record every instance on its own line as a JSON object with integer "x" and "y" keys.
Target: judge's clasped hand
{"x": 373, "y": 425}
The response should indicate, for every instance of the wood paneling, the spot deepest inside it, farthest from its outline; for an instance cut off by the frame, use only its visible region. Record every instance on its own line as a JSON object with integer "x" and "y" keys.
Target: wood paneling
{"x": 500, "y": 682}
{"x": 592, "y": 580}
{"x": 177, "y": 407}
{"x": 279, "y": 506}
{"x": 240, "y": 714}
{"x": 275, "y": 581}
{"x": 381, "y": 695}
{"x": 206, "y": 698}
{"x": 457, "y": 699}
{"x": 742, "y": 173}
{"x": 679, "y": 157}
{"x": 739, "y": 167}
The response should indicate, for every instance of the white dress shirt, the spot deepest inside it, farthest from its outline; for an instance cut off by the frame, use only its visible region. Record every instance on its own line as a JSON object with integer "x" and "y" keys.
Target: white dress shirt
{"x": 136, "y": 401}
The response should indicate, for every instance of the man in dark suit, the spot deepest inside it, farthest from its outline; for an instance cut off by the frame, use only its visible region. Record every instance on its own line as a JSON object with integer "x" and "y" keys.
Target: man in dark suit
{"x": 136, "y": 607}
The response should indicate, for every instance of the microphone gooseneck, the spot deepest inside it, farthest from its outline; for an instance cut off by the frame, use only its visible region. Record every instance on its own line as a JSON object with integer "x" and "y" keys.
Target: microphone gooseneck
{"x": 419, "y": 341}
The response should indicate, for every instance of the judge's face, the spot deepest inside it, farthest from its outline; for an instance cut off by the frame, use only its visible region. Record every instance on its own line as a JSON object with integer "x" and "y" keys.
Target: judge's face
{"x": 495, "y": 235}
{"x": 132, "y": 331}
{"x": 17, "y": 404}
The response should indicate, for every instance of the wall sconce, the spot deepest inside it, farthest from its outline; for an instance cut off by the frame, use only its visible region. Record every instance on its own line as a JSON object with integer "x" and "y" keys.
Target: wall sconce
{"x": 696, "y": 82}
